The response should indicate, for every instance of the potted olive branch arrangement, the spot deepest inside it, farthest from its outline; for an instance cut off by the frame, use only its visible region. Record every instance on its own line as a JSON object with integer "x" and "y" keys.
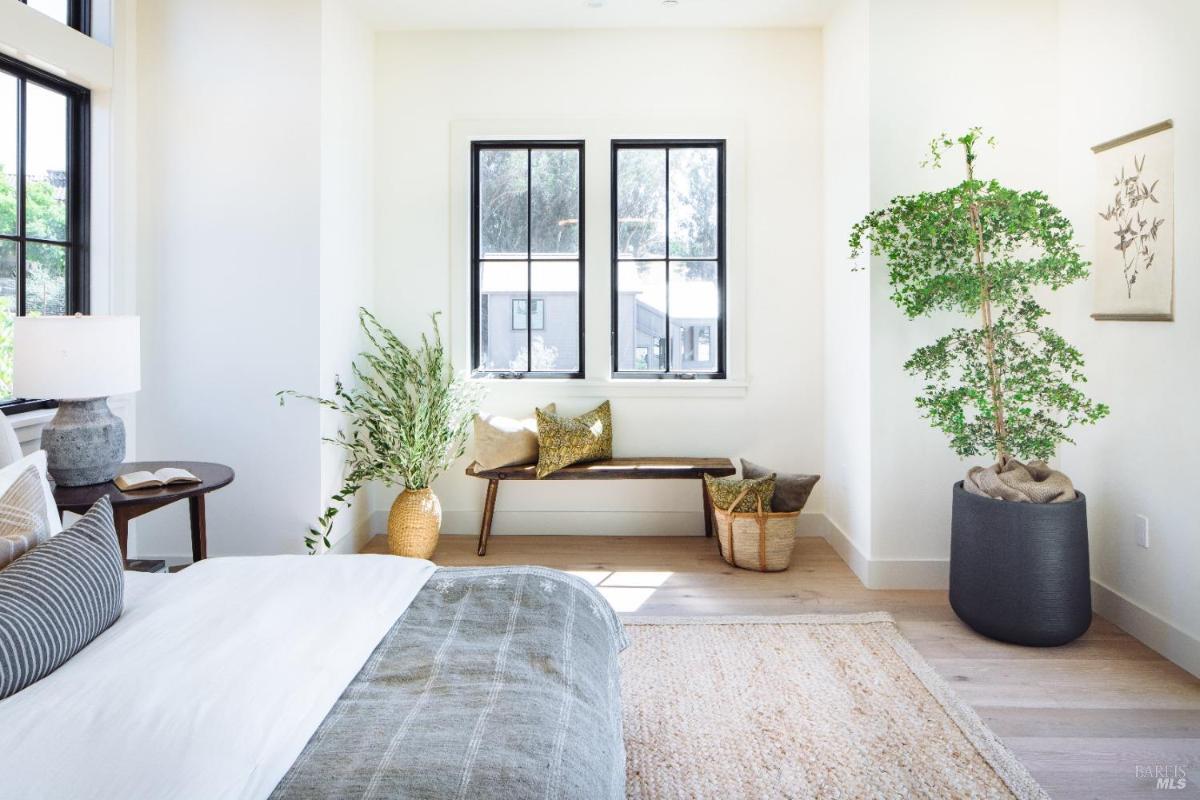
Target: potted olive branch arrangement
{"x": 409, "y": 417}
{"x": 1008, "y": 386}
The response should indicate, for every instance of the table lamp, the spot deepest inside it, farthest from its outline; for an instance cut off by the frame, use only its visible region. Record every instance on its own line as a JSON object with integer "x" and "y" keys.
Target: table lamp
{"x": 79, "y": 361}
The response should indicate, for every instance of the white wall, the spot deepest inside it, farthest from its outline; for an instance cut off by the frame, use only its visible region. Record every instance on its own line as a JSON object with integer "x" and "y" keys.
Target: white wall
{"x": 433, "y": 87}
{"x": 847, "y": 176}
{"x": 29, "y": 35}
{"x": 1143, "y": 459}
{"x": 347, "y": 228}
{"x": 930, "y": 71}
{"x": 229, "y": 261}
{"x": 941, "y": 65}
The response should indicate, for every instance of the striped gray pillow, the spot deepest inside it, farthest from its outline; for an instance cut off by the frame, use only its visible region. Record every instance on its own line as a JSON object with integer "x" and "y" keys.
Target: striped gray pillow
{"x": 58, "y": 597}
{"x": 22, "y": 516}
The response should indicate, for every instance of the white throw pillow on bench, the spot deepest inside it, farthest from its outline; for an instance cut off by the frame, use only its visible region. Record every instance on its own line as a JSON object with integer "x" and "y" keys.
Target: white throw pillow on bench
{"x": 506, "y": 442}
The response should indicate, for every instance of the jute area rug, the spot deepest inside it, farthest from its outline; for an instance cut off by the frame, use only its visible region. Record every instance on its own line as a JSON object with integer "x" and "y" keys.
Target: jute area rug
{"x": 822, "y": 706}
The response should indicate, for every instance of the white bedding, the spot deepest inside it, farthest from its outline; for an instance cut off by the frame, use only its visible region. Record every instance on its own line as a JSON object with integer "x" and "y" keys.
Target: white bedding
{"x": 210, "y": 683}
{"x": 141, "y": 585}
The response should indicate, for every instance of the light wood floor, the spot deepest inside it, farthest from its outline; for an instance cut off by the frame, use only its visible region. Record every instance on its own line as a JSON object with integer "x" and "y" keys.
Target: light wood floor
{"x": 1080, "y": 717}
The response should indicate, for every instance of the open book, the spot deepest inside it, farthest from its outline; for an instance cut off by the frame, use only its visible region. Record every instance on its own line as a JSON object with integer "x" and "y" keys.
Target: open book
{"x": 146, "y": 480}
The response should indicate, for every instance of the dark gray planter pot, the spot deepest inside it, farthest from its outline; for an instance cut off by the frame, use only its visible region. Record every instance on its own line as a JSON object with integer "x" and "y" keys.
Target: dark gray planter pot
{"x": 1019, "y": 571}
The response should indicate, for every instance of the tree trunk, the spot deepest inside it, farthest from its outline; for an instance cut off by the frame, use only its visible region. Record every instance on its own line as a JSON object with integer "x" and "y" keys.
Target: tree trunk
{"x": 989, "y": 341}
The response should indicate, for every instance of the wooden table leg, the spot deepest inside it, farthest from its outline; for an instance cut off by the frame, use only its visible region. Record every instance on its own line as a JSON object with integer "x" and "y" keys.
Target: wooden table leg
{"x": 121, "y": 523}
{"x": 708, "y": 518}
{"x": 199, "y": 534}
{"x": 489, "y": 508}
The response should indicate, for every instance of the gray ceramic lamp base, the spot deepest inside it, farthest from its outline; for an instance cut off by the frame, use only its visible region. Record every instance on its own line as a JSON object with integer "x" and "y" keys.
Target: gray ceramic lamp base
{"x": 84, "y": 443}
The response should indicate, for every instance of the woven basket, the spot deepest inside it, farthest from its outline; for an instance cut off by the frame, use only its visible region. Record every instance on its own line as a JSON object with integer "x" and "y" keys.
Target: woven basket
{"x": 414, "y": 523}
{"x": 759, "y": 540}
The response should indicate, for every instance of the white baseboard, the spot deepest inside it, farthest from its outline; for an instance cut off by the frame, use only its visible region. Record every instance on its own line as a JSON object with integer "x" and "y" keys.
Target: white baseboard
{"x": 1166, "y": 638}
{"x": 354, "y": 541}
{"x": 858, "y": 562}
{"x": 598, "y": 523}
{"x": 888, "y": 573}
{"x": 910, "y": 573}
{"x": 350, "y": 543}
{"x": 1159, "y": 634}
{"x": 875, "y": 574}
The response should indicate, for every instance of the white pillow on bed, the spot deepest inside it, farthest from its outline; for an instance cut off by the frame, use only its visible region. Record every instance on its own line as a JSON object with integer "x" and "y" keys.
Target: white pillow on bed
{"x": 10, "y": 446}
{"x": 9, "y": 475}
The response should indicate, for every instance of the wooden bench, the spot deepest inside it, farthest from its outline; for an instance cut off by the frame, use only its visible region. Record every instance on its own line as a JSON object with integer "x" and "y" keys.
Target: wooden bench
{"x": 617, "y": 469}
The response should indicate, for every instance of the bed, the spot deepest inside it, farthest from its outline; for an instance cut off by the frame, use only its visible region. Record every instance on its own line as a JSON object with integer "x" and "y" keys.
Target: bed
{"x": 296, "y": 677}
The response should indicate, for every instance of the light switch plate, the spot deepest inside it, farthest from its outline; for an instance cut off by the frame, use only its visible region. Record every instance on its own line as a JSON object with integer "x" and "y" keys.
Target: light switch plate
{"x": 1143, "y": 531}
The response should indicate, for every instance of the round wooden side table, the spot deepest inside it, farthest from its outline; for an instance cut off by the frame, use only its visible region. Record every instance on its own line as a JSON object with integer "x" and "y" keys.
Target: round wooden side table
{"x": 136, "y": 502}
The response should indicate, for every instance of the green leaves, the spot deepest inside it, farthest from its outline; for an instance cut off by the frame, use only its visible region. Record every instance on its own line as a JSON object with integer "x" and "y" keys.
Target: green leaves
{"x": 980, "y": 249}
{"x": 1038, "y": 370}
{"x": 929, "y": 242}
{"x": 408, "y": 417}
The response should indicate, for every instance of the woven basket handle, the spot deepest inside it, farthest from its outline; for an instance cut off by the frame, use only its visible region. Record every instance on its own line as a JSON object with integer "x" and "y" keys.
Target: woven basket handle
{"x": 761, "y": 518}
{"x": 732, "y": 506}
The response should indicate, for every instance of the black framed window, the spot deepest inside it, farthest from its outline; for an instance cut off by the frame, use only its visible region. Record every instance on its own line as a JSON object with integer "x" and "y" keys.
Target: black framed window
{"x": 527, "y": 244}
{"x": 76, "y": 13}
{"x": 43, "y": 203}
{"x": 668, "y": 258}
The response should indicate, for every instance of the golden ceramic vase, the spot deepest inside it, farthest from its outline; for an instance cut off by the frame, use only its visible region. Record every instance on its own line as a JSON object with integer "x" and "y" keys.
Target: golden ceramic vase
{"x": 414, "y": 523}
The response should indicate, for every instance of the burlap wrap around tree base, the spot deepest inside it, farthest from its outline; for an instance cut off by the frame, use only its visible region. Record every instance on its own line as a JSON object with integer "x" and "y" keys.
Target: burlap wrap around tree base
{"x": 1009, "y": 479}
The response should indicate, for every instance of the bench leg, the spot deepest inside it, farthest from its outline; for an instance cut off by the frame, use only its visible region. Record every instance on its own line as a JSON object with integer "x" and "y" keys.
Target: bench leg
{"x": 489, "y": 508}
{"x": 708, "y": 518}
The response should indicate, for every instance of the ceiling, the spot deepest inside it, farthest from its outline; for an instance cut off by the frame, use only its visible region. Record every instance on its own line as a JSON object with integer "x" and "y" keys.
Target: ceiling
{"x": 521, "y": 14}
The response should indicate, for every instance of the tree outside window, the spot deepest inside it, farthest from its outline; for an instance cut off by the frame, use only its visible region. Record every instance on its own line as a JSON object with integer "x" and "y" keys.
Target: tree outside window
{"x": 42, "y": 126}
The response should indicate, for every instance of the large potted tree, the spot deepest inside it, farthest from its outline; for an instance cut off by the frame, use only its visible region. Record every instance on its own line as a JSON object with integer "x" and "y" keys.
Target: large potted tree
{"x": 1007, "y": 385}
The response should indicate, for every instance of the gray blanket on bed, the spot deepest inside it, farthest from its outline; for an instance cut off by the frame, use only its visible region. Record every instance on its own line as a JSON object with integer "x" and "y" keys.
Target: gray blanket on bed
{"x": 496, "y": 683}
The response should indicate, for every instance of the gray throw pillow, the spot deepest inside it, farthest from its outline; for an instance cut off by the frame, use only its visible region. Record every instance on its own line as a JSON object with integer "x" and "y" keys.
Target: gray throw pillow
{"x": 791, "y": 489}
{"x": 58, "y": 597}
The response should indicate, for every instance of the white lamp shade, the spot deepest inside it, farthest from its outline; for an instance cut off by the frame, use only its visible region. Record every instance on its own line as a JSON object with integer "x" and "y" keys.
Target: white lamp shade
{"x": 73, "y": 358}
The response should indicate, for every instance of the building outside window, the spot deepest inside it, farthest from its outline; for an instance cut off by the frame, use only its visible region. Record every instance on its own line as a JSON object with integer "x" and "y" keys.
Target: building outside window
{"x": 519, "y": 306}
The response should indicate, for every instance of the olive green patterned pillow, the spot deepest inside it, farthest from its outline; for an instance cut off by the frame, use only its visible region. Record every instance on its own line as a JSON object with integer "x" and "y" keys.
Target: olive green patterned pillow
{"x": 724, "y": 491}
{"x": 563, "y": 441}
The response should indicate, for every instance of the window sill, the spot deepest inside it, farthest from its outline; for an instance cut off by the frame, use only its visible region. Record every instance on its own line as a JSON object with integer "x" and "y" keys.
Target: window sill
{"x": 616, "y": 387}
{"x": 28, "y": 424}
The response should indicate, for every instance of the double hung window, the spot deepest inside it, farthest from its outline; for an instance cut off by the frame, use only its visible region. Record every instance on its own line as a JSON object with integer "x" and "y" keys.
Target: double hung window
{"x": 527, "y": 239}
{"x": 668, "y": 259}
{"x": 43, "y": 202}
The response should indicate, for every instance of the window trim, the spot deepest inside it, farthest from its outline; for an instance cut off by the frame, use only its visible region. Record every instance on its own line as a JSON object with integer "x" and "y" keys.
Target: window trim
{"x": 78, "y": 140}
{"x": 722, "y": 283}
{"x": 79, "y": 15}
{"x": 477, "y": 147}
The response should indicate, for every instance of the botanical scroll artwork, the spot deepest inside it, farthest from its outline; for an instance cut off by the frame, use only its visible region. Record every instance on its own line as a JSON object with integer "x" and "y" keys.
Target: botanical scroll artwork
{"x": 1134, "y": 236}
{"x": 1137, "y": 236}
